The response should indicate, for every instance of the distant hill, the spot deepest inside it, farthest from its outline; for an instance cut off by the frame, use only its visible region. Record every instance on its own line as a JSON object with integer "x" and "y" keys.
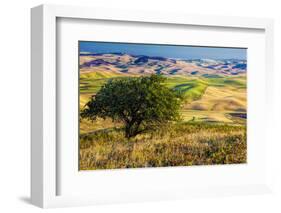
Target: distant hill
{"x": 140, "y": 64}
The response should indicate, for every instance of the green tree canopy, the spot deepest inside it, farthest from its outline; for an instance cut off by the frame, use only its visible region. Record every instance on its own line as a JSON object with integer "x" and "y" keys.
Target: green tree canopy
{"x": 141, "y": 103}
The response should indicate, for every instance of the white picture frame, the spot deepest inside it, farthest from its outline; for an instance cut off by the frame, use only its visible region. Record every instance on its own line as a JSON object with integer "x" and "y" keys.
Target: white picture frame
{"x": 44, "y": 154}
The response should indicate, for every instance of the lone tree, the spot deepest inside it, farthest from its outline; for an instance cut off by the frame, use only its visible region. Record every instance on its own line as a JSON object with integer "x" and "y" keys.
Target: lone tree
{"x": 140, "y": 103}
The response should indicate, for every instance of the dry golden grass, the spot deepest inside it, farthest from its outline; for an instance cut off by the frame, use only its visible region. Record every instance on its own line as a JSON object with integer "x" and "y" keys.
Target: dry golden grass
{"x": 182, "y": 144}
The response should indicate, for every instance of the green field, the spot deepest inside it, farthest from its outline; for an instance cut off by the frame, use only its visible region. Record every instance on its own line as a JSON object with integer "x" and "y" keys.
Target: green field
{"x": 212, "y": 129}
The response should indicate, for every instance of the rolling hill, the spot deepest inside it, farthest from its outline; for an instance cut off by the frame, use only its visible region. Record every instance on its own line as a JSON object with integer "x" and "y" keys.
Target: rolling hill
{"x": 130, "y": 64}
{"x": 215, "y": 90}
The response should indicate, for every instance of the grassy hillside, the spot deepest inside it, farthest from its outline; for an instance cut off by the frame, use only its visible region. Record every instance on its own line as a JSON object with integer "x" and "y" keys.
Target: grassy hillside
{"x": 181, "y": 144}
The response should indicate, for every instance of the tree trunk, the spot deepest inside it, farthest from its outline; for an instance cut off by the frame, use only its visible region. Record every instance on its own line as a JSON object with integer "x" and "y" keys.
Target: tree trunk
{"x": 128, "y": 131}
{"x": 132, "y": 129}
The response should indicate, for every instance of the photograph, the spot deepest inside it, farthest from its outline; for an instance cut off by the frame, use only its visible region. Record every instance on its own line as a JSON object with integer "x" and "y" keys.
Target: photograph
{"x": 161, "y": 105}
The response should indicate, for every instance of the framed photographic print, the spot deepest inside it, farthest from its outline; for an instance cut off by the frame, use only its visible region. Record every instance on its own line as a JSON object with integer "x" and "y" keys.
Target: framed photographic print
{"x": 129, "y": 106}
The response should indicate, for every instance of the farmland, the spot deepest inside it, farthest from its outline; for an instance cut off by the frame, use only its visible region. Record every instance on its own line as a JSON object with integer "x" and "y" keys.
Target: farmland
{"x": 212, "y": 129}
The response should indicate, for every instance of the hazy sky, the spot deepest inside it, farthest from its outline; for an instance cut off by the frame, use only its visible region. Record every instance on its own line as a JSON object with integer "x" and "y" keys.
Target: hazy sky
{"x": 169, "y": 51}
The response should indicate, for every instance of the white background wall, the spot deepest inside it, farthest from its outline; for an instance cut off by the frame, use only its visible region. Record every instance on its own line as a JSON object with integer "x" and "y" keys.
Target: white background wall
{"x": 15, "y": 98}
